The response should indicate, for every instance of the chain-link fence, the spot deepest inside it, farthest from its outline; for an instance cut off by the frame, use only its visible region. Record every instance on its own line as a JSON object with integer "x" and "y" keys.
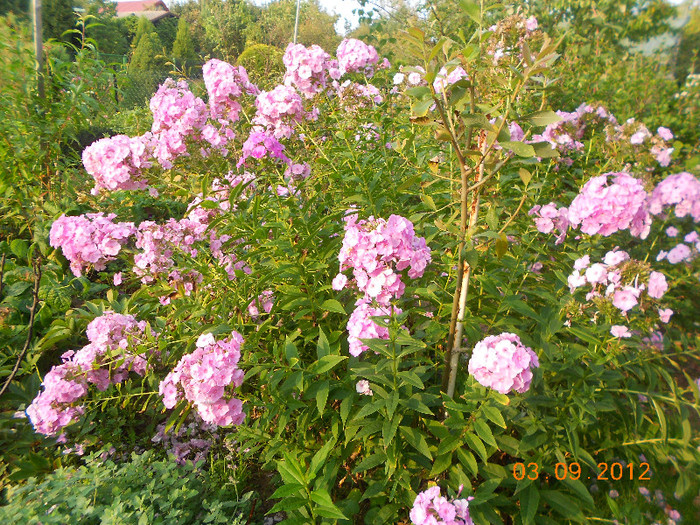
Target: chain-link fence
{"x": 134, "y": 88}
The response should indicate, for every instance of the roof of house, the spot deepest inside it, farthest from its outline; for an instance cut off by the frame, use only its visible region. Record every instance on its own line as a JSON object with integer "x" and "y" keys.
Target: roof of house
{"x": 141, "y": 5}
{"x": 151, "y": 9}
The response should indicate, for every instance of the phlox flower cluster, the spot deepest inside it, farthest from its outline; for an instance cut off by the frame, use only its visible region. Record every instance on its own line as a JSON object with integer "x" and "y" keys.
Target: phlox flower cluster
{"x": 205, "y": 378}
{"x": 354, "y": 56}
{"x": 619, "y": 280}
{"x": 177, "y": 114}
{"x": 507, "y": 37}
{"x": 430, "y": 508}
{"x": 117, "y": 163}
{"x": 355, "y": 96}
{"x": 550, "y": 218}
{"x": 293, "y": 174}
{"x": 361, "y": 326}
{"x": 279, "y": 111}
{"x": 637, "y": 134}
{"x": 264, "y": 301}
{"x": 159, "y": 242}
{"x": 682, "y": 191}
{"x": 182, "y": 281}
{"x": 565, "y": 135}
{"x": 225, "y": 85}
{"x": 89, "y": 239}
{"x": 682, "y": 252}
{"x": 259, "y": 145}
{"x": 362, "y": 387}
{"x": 503, "y": 363}
{"x": 189, "y": 442}
{"x": 445, "y": 78}
{"x": 375, "y": 249}
{"x": 408, "y": 76}
{"x": 54, "y": 408}
{"x": 308, "y": 69}
{"x": 605, "y": 208}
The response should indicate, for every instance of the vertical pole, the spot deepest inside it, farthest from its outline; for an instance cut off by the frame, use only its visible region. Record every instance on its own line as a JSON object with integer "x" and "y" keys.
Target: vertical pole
{"x": 38, "y": 47}
{"x": 296, "y": 22}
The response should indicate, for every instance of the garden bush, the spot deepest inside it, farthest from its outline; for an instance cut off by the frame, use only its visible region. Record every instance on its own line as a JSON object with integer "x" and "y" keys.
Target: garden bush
{"x": 411, "y": 292}
{"x": 140, "y": 490}
{"x": 263, "y": 63}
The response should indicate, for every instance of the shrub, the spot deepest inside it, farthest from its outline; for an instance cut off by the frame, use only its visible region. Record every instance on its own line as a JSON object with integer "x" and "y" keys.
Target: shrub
{"x": 263, "y": 63}
{"x": 139, "y": 490}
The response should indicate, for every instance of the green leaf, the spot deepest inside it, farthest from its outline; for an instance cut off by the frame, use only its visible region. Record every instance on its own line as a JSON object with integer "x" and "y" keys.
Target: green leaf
{"x": 468, "y": 460}
{"x": 662, "y": 419}
{"x": 476, "y": 120}
{"x": 327, "y": 363}
{"x": 563, "y": 504}
{"x": 322, "y": 497}
{"x": 525, "y": 176}
{"x": 345, "y": 408}
{"x": 286, "y": 490}
{"x": 20, "y": 247}
{"x": 289, "y": 504}
{"x": 494, "y": 415}
{"x": 416, "y": 439}
{"x": 389, "y": 430}
{"x": 529, "y": 501}
{"x": 329, "y": 512}
{"x": 418, "y": 92}
{"x": 484, "y": 431}
{"x": 290, "y": 350}
{"x": 476, "y": 445}
{"x": 440, "y": 464}
{"x": 471, "y": 9}
{"x": 415, "y": 404}
{"x": 369, "y": 462}
{"x": 370, "y": 408}
{"x": 542, "y": 118}
{"x": 545, "y": 150}
{"x": 322, "y": 396}
{"x": 420, "y": 108}
{"x": 519, "y": 148}
{"x": 501, "y": 245}
{"x": 331, "y": 305}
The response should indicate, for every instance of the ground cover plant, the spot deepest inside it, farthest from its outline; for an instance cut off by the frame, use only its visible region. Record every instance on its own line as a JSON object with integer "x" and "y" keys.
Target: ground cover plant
{"x": 372, "y": 293}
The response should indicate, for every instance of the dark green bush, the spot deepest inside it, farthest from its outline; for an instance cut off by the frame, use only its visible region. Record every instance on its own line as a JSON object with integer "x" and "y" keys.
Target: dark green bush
{"x": 143, "y": 490}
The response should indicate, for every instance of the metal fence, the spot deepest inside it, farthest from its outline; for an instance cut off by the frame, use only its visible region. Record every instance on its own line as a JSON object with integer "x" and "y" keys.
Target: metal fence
{"x": 135, "y": 88}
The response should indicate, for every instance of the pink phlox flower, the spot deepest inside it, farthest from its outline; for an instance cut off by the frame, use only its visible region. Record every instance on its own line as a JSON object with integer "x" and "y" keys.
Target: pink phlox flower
{"x": 603, "y": 208}
{"x": 204, "y": 378}
{"x": 90, "y": 239}
{"x": 620, "y": 331}
{"x": 354, "y": 56}
{"x": 665, "y": 314}
{"x": 503, "y": 363}
{"x": 682, "y": 191}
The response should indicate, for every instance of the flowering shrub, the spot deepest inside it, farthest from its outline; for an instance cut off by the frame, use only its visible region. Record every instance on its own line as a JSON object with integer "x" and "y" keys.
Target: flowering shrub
{"x": 357, "y": 391}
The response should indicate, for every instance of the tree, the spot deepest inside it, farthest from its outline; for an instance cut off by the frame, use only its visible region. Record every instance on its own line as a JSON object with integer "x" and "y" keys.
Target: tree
{"x": 143, "y": 26}
{"x": 275, "y": 25}
{"x": 688, "y": 59}
{"x": 225, "y": 25}
{"x": 110, "y": 33}
{"x": 57, "y": 17}
{"x": 183, "y": 47}
{"x": 148, "y": 54}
